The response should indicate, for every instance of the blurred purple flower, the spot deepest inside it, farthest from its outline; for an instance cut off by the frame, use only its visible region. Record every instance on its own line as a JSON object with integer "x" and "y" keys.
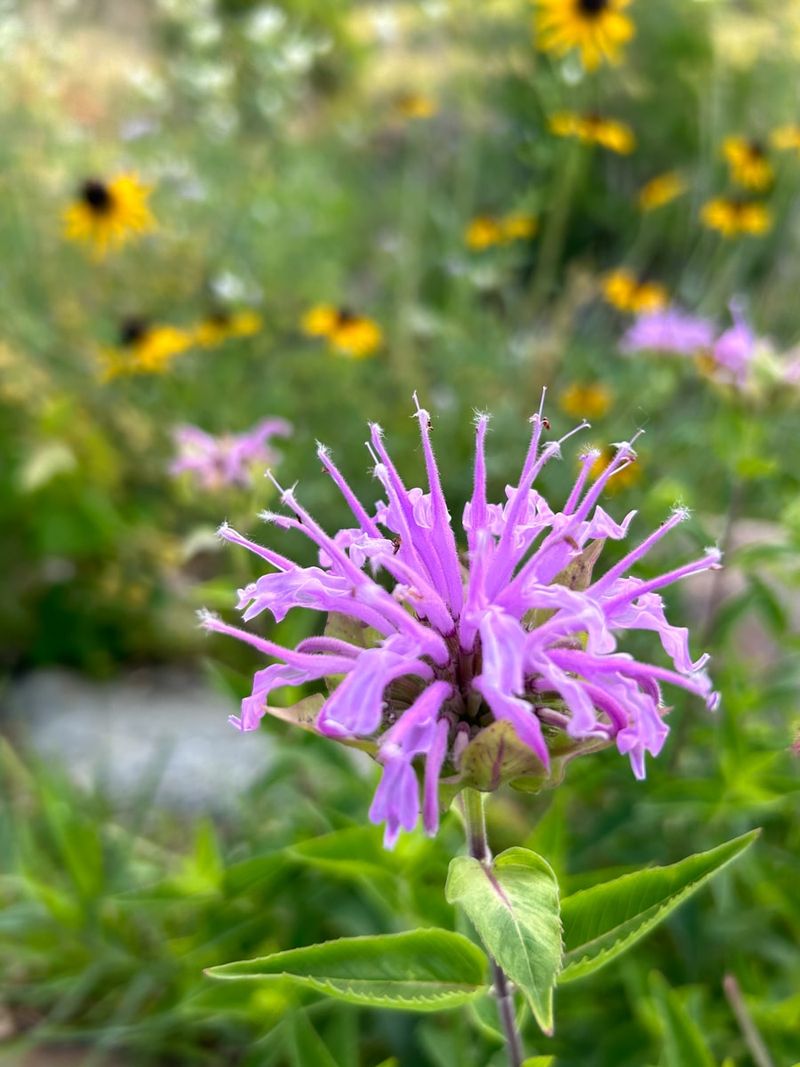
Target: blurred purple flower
{"x": 791, "y": 369}
{"x": 672, "y": 331}
{"x": 228, "y": 459}
{"x": 734, "y": 349}
{"x": 516, "y": 630}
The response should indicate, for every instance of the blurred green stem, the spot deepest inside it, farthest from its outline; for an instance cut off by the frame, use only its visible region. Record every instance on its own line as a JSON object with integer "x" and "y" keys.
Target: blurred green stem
{"x": 753, "y": 1039}
{"x": 717, "y": 577}
{"x": 555, "y": 228}
{"x": 472, "y": 803}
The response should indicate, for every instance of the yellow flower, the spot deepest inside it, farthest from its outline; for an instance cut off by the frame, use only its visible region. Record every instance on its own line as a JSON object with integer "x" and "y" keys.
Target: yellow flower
{"x": 706, "y": 365}
{"x": 105, "y": 215}
{"x": 786, "y": 138}
{"x": 486, "y": 230}
{"x": 483, "y": 232}
{"x": 145, "y": 348}
{"x": 347, "y": 334}
{"x": 355, "y": 336}
{"x": 597, "y": 28}
{"x": 734, "y": 217}
{"x": 661, "y": 190}
{"x": 222, "y": 325}
{"x": 594, "y": 129}
{"x": 519, "y": 227}
{"x": 624, "y": 478}
{"x": 748, "y": 163}
{"x": 626, "y": 292}
{"x": 415, "y": 106}
{"x": 591, "y": 401}
{"x": 320, "y": 320}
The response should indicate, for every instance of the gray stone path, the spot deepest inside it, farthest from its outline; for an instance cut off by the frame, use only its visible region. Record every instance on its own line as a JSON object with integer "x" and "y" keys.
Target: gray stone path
{"x": 120, "y": 731}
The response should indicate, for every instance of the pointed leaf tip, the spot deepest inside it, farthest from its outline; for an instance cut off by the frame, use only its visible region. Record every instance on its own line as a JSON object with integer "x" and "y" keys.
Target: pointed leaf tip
{"x": 602, "y": 922}
{"x": 513, "y": 904}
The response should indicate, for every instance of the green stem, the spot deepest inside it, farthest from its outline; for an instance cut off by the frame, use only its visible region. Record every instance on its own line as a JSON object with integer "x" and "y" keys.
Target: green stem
{"x": 555, "y": 229}
{"x": 753, "y": 1039}
{"x": 472, "y": 803}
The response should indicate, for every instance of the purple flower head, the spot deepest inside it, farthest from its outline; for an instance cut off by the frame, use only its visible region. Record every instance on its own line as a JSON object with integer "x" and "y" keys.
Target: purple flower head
{"x": 673, "y": 332}
{"x": 228, "y": 459}
{"x": 499, "y": 663}
{"x": 791, "y": 370}
{"x": 734, "y": 350}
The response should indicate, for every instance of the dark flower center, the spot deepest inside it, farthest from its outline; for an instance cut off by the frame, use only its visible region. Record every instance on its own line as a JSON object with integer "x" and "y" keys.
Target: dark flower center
{"x": 131, "y": 331}
{"x": 219, "y": 317}
{"x": 592, "y": 8}
{"x": 757, "y": 150}
{"x": 96, "y": 196}
{"x": 346, "y": 316}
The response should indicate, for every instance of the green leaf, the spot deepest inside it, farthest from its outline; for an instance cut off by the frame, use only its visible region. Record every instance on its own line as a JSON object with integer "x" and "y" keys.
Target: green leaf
{"x": 355, "y": 854}
{"x": 513, "y": 904}
{"x": 422, "y": 970}
{"x": 602, "y": 922}
{"x": 684, "y": 1045}
{"x": 486, "y": 1017}
{"x": 307, "y": 1047}
{"x": 539, "y": 1061}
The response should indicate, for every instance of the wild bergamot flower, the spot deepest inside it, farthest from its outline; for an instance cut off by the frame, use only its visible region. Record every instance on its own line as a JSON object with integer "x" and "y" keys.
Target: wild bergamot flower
{"x": 347, "y": 333}
{"x": 733, "y": 218}
{"x": 228, "y": 459}
{"x": 484, "y": 231}
{"x": 590, "y": 400}
{"x": 748, "y": 163}
{"x": 594, "y": 129}
{"x": 468, "y": 668}
{"x": 105, "y": 215}
{"x": 598, "y": 29}
{"x": 222, "y": 325}
{"x": 671, "y": 331}
{"x": 661, "y": 190}
{"x": 624, "y": 291}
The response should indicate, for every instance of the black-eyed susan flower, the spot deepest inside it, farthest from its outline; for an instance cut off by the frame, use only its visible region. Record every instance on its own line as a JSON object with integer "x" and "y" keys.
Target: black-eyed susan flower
{"x": 624, "y": 291}
{"x": 594, "y": 129}
{"x": 598, "y": 29}
{"x": 519, "y": 227}
{"x": 661, "y": 190}
{"x": 786, "y": 138}
{"x": 482, "y": 232}
{"x": 355, "y": 336}
{"x": 145, "y": 348}
{"x": 732, "y": 218}
{"x": 106, "y": 215}
{"x": 222, "y": 325}
{"x": 415, "y": 106}
{"x": 347, "y": 333}
{"x": 485, "y": 231}
{"x": 748, "y": 163}
{"x": 591, "y": 400}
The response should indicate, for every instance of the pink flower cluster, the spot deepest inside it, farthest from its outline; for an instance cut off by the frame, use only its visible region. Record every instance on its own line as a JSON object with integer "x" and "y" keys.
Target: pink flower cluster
{"x": 515, "y": 630}
{"x": 229, "y": 459}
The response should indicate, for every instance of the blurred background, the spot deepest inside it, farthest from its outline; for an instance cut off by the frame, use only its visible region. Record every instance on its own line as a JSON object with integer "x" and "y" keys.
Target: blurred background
{"x": 220, "y": 212}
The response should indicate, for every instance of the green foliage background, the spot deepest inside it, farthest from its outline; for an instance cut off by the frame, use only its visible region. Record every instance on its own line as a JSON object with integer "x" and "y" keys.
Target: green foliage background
{"x": 284, "y": 176}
